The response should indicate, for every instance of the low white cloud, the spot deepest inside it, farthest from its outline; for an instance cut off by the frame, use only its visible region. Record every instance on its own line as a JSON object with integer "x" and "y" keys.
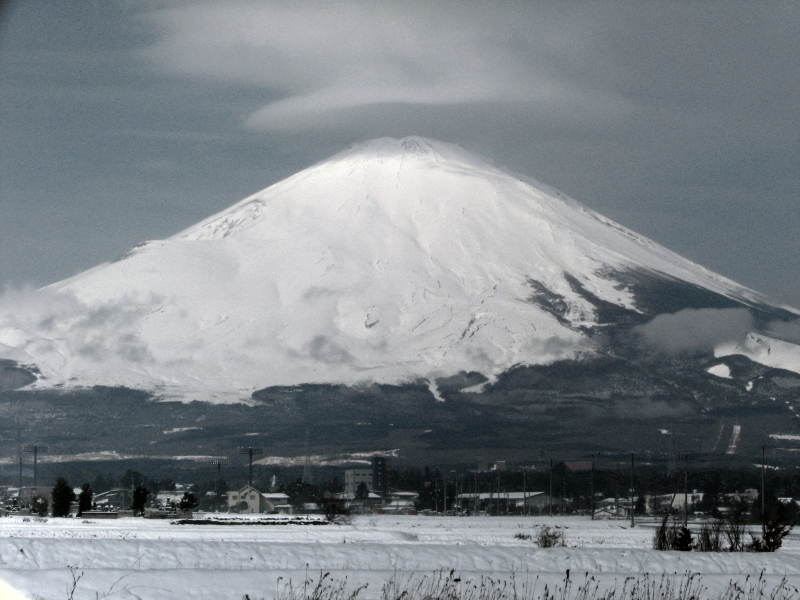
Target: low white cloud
{"x": 319, "y": 59}
{"x": 707, "y": 328}
{"x": 56, "y": 323}
{"x": 788, "y": 331}
{"x": 697, "y": 329}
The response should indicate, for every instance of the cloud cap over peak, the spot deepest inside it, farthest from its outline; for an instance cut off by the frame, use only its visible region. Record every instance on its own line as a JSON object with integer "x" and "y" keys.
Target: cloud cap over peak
{"x": 320, "y": 59}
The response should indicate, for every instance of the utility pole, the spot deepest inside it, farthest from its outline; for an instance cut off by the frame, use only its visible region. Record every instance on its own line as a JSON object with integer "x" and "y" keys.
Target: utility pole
{"x": 633, "y": 524}
{"x": 19, "y": 452}
{"x": 498, "y": 493}
{"x": 305, "y": 460}
{"x": 591, "y": 488}
{"x": 36, "y": 451}
{"x": 524, "y": 493}
{"x": 551, "y": 487}
{"x": 686, "y": 490}
{"x": 250, "y": 451}
{"x": 475, "y": 504}
{"x": 763, "y": 490}
{"x": 133, "y": 487}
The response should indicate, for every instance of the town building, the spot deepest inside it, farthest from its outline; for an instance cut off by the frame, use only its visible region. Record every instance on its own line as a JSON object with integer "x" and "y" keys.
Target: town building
{"x": 401, "y": 503}
{"x": 376, "y": 477}
{"x": 677, "y": 501}
{"x": 250, "y": 500}
{"x": 506, "y": 502}
{"x": 380, "y": 474}
{"x": 353, "y": 478}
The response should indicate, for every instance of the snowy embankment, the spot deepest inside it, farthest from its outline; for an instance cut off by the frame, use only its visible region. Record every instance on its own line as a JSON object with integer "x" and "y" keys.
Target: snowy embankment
{"x": 134, "y": 558}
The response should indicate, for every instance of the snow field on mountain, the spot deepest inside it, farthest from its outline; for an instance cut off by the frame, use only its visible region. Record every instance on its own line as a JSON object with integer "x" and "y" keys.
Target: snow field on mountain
{"x": 138, "y": 559}
{"x": 391, "y": 261}
{"x": 764, "y": 350}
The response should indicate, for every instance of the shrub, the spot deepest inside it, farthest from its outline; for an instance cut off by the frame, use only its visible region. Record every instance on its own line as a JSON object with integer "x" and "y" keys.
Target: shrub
{"x": 549, "y": 538}
{"x": 335, "y": 510}
{"x": 39, "y": 506}
{"x": 775, "y": 531}
{"x": 709, "y": 539}
{"x": 777, "y": 526}
{"x": 664, "y": 537}
{"x": 735, "y": 529}
{"x": 672, "y": 537}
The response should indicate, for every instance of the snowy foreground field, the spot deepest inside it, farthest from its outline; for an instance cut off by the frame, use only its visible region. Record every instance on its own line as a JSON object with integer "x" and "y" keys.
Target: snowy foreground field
{"x": 139, "y": 559}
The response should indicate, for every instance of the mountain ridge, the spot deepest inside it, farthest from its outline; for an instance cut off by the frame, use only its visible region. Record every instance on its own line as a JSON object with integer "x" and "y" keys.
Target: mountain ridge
{"x": 392, "y": 261}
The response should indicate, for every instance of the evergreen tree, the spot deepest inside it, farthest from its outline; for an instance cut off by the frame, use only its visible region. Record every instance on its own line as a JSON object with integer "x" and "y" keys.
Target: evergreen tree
{"x": 362, "y": 491}
{"x": 62, "y": 497}
{"x": 779, "y": 525}
{"x": 85, "y": 499}
{"x": 188, "y": 502}
{"x": 683, "y": 539}
{"x": 641, "y": 505}
{"x": 301, "y": 492}
{"x": 140, "y": 495}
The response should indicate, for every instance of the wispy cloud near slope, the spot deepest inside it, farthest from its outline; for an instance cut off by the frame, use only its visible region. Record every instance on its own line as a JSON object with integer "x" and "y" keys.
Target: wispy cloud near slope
{"x": 697, "y": 329}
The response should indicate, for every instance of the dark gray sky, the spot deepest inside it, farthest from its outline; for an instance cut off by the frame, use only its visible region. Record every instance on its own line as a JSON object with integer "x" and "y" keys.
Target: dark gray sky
{"x": 123, "y": 121}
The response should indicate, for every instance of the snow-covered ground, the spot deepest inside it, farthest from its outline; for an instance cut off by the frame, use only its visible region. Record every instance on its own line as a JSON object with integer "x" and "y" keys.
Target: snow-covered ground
{"x": 138, "y": 559}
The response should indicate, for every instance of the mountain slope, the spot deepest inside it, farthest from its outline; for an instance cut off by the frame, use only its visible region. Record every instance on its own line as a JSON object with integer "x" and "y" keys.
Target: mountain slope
{"x": 392, "y": 261}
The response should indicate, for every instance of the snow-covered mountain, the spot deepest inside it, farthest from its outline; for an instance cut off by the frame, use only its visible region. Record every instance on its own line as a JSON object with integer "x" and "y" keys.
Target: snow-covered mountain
{"x": 392, "y": 261}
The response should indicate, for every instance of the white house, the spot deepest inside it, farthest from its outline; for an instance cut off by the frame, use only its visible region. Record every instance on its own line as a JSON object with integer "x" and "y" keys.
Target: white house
{"x": 250, "y": 500}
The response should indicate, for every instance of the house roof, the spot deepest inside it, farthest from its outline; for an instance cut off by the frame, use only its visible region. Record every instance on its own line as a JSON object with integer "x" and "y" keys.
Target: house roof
{"x": 501, "y": 496}
{"x": 275, "y": 496}
{"x": 246, "y": 489}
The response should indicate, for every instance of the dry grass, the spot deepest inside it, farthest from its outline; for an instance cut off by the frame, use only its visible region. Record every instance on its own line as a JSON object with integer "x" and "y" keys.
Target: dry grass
{"x": 449, "y": 585}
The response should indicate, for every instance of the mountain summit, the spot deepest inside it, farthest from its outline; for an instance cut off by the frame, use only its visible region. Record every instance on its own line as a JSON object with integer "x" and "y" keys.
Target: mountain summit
{"x": 392, "y": 261}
